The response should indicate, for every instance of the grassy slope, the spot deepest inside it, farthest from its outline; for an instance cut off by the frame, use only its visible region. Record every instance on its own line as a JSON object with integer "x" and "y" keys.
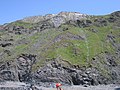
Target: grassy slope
{"x": 77, "y": 52}
{"x": 93, "y": 45}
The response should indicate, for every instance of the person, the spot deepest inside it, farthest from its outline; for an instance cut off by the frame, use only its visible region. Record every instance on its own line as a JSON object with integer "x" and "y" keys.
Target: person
{"x": 58, "y": 86}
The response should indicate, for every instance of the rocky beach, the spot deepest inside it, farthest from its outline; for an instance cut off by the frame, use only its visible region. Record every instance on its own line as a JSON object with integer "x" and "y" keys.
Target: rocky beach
{"x": 23, "y": 86}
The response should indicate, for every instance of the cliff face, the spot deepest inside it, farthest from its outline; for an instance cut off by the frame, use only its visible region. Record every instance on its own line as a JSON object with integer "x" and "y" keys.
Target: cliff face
{"x": 56, "y": 19}
{"x": 68, "y": 47}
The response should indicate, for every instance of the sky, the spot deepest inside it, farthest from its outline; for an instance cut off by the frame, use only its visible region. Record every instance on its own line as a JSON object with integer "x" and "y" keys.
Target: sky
{"x": 12, "y": 10}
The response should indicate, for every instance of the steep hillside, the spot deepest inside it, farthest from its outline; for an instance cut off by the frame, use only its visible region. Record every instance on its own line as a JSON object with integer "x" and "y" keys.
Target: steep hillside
{"x": 68, "y": 47}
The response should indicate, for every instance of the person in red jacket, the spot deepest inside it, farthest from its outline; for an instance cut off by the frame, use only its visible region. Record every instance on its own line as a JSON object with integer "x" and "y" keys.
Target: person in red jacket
{"x": 58, "y": 86}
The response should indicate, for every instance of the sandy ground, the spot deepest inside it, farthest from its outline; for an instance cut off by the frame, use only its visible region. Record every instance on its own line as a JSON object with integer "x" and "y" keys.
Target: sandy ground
{"x": 99, "y": 87}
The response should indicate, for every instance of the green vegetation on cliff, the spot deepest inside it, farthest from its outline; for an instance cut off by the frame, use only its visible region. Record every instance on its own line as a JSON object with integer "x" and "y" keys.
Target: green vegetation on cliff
{"x": 77, "y": 42}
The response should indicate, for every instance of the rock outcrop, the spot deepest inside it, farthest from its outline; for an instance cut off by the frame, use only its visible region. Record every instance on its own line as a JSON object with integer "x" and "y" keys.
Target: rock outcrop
{"x": 56, "y": 19}
{"x": 20, "y": 70}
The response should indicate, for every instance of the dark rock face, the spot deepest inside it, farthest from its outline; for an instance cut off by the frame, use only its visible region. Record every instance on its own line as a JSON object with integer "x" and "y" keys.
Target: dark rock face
{"x": 17, "y": 29}
{"x": 8, "y": 72}
{"x": 52, "y": 72}
{"x": 100, "y": 22}
{"x": 80, "y": 23}
{"x": 84, "y": 23}
{"x": 5, "y": 44}
{"x": 19, "y": 70}
{"x": 25, "y": 63}
{"x": 56, "y": 72}
{"x": 117, "y": 14}
{"x": 68, "y": 36}
{"x": 44, "y": 25}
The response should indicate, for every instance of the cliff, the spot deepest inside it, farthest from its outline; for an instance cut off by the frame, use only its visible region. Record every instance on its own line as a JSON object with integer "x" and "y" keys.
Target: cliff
{"x": 68, "y": 47}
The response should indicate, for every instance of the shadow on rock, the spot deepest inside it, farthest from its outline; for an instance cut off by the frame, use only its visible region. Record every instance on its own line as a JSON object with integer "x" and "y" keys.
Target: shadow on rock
{"x": 117, "y": 88}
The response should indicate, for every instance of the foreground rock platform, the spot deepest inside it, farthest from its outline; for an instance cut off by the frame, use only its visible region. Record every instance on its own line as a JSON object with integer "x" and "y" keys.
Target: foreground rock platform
{"x": 23, "y": 86}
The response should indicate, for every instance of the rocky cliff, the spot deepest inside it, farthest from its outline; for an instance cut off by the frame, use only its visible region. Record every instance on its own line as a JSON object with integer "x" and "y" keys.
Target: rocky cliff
{"x": 56, "y": 19}
{"x": 68, "y": 47}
